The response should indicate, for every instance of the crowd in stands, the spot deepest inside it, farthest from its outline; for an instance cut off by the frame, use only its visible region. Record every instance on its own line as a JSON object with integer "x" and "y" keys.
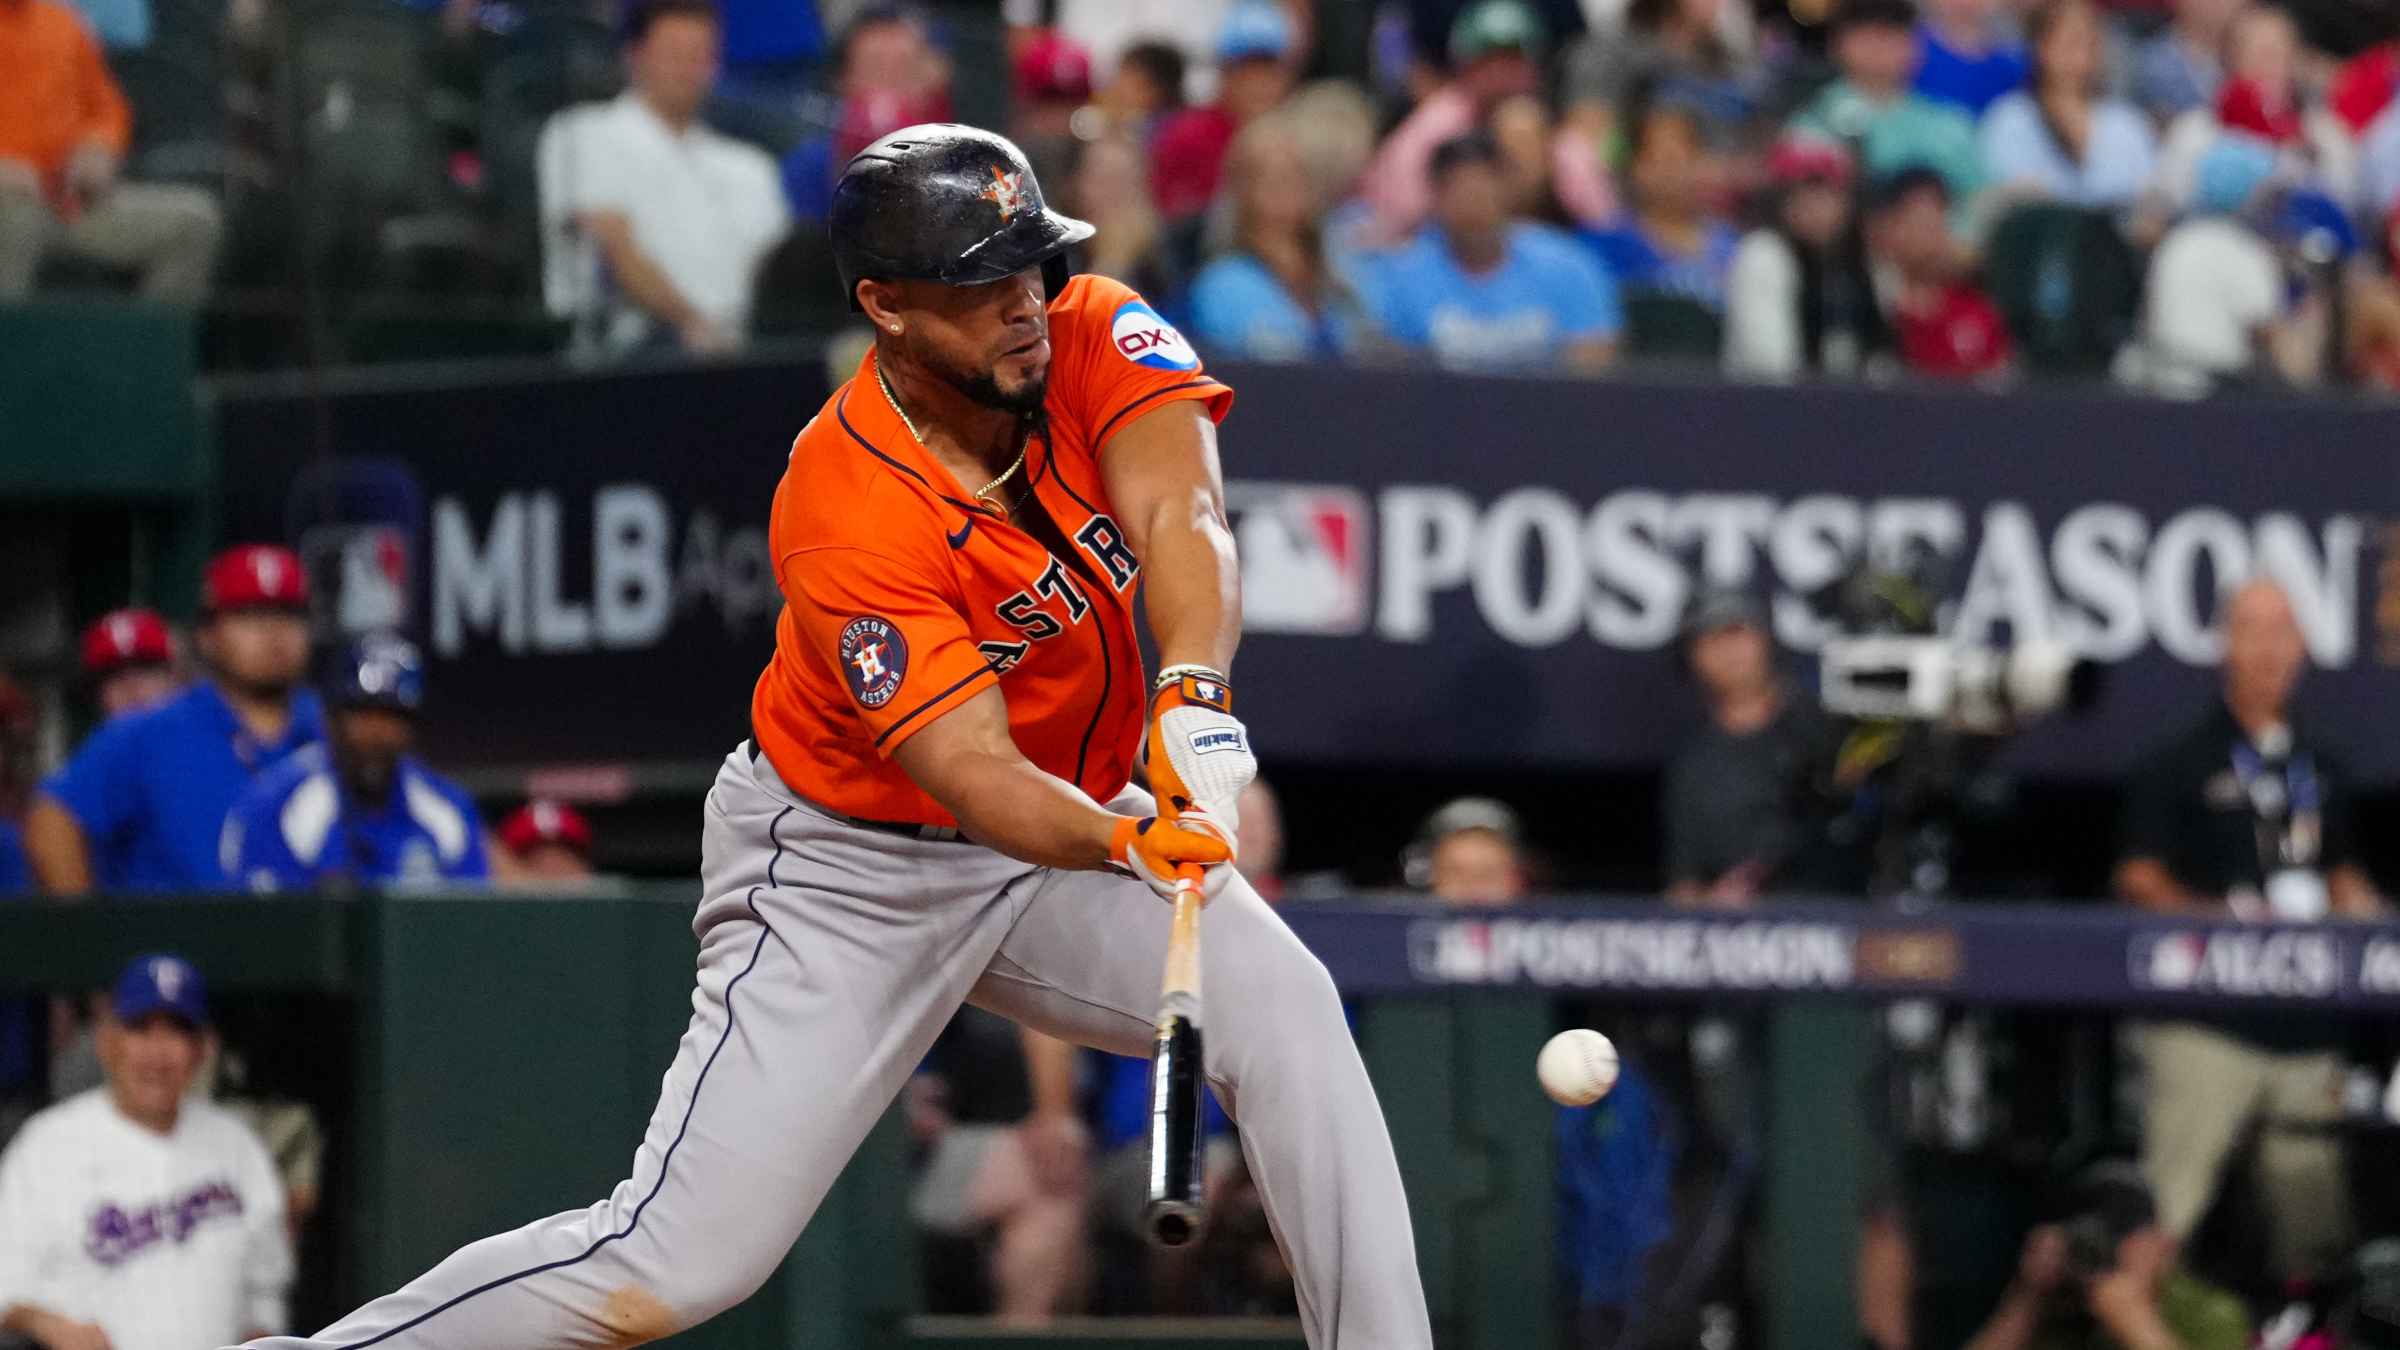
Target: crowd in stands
{"x": 2183, "y": 197}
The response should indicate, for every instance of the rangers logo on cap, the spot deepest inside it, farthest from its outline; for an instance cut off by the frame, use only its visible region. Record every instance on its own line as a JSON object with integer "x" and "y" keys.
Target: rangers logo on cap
{"x": 874, "y": 659}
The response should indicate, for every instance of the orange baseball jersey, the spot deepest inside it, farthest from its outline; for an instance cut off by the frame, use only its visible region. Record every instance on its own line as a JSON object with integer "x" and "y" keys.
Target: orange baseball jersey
{"x": 903, "y": 599}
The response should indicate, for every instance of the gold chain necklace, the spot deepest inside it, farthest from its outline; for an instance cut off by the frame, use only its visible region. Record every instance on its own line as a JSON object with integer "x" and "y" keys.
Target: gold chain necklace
{"x": 982, "y": 494}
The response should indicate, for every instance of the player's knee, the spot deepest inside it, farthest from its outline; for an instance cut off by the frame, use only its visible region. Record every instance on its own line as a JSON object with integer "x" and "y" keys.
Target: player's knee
{"x": 723, "y": 1281}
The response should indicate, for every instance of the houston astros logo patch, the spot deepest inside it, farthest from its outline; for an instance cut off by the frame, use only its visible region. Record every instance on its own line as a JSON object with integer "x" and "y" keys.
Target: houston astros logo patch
{"x": 1007, "y": 192}
{"x": 1145, "y": 339}
{"x": 874, "y": 660}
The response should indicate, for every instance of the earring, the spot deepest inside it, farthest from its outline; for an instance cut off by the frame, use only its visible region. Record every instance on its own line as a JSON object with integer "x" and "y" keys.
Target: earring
{"x": 895, "y": 328}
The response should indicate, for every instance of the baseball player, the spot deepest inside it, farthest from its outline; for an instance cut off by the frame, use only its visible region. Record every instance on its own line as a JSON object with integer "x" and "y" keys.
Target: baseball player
{"x": 129, "y": 657}
{"x": 142, "y": 804}
{"x": 136, "y": 1216}
{"x": 934, "y": 805}
{"x": 358, "y": 808}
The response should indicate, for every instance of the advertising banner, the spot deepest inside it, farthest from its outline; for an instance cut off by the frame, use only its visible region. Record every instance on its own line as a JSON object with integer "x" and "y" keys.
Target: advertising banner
{"x": 1439, "y": 570}
{"x": 2032, "y": 955}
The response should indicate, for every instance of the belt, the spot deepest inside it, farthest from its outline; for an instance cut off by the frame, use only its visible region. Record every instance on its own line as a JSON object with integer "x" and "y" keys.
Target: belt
{"x": 906, "y": 829}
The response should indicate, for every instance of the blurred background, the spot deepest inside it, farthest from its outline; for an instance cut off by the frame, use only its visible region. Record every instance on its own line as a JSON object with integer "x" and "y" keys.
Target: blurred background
{"x": 1848, "y": 546}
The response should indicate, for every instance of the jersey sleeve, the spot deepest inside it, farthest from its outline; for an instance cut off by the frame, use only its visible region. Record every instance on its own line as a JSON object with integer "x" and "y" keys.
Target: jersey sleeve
{"x": 1120, "y": 358}
{"x": 472, "y": 863}
{"x": 252, "y": 849}
{"x": 22, "y": 1247}
{"x": 100, "y": 786}
{"x": 892, "y": 636}
{"x": 267, "y": 1264}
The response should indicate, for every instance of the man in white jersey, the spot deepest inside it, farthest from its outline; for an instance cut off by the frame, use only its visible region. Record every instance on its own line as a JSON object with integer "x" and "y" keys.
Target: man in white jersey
{"x": 132, "y": 1216}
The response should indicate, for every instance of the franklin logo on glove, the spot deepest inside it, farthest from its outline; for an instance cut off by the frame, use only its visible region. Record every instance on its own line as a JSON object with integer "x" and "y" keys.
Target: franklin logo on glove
{"x": 1214, "y": 742}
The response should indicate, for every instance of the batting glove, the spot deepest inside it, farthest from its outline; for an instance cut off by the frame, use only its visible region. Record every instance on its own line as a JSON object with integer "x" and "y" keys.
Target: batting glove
{"x": 1150, "y": 848}
{"x": 1197, "y": 754}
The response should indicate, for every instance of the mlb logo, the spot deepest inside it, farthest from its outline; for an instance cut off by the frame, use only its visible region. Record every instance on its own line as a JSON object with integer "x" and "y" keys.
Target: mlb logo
{"x": 2167, "y": 961}
{"x": 1304, "y": 550}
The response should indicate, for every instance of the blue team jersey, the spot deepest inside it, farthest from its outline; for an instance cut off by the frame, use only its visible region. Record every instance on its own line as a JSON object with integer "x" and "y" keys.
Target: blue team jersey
{"x": 1545, "y": 293}
{"x": 151, "y": 788}
{"x": 295, "y": 828}
{"x": 1639, "y": 264}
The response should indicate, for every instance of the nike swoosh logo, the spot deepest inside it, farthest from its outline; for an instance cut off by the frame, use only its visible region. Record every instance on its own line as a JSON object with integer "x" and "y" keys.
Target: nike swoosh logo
{"x": 959, "y": 540}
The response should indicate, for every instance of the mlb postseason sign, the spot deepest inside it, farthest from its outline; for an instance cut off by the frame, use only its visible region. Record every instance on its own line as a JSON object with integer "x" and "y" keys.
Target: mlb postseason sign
{"x": 582, "y": 557}
{"x": 1439, "y": 569}
{"x": 1451, "y": 570}
{"x": 2039, "y": 955}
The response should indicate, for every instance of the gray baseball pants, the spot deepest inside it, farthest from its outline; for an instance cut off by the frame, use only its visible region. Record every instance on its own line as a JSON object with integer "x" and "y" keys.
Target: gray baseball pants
{"x": 831, "y": 954}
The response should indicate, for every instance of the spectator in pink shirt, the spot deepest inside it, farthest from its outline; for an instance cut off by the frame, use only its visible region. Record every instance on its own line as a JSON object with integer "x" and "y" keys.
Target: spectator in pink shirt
{"x": 1495, "y": 55}
{"x": 1255, "y": 67}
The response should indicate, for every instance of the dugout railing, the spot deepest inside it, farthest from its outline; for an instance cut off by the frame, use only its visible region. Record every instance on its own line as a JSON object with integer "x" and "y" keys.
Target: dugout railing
{"x": 495, "y": 1059}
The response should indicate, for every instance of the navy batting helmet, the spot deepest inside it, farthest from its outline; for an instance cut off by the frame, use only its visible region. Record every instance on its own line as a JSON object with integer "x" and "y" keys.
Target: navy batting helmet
{"x": 948, "y": 203}
{"x": 377, "y": 671}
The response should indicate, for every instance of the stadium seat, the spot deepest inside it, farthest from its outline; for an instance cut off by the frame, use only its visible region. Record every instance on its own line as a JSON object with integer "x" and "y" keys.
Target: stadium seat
{"x": 1662, "y": 327}
{"x": 554, "y": 61}
{"x": 356, "y": 87}
{"x": 2068, "y": 284}
{"x": 178, "y": 115}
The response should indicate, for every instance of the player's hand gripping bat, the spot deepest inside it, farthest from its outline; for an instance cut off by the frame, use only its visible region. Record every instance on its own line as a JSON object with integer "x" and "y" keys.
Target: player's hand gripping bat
{"x": 1175, "y": 1209}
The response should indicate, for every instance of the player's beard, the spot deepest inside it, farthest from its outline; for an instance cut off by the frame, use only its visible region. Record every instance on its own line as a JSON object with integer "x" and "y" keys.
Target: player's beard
{"x": 368, "y": 774}
{"x": 984, "y": 388}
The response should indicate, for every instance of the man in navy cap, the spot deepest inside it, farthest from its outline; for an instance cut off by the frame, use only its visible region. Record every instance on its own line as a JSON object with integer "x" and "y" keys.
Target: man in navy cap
{"x": 141, "y": 806}
{"x": 358, "y": 809}
{"x": 136, "y": 1216}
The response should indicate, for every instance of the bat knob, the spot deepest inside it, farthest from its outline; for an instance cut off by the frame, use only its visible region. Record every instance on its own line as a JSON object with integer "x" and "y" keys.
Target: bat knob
{"x": 1173, "y": 1223}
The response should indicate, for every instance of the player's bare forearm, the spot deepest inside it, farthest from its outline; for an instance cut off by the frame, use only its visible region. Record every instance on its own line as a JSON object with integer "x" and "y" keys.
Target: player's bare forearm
{"x": 1169, "y": 494}
{"x": 55, "y": 849}
{"x": 966, "y": 761}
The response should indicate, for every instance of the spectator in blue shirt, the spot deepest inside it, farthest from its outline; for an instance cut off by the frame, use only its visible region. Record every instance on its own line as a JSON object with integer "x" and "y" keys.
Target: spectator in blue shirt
{"x": 141, "y": 805}
{"x": 1274, "y": 296}
{"x": 1478, "y": 290}
{"x": 1968, "y": 59}
{"x": 359, "y": 810}
{"x": 1668, "y": 242}
{"x": 2059, "y": 138}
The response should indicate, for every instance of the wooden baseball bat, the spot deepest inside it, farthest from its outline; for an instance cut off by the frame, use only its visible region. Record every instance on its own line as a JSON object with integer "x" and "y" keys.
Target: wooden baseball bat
{"x": 1175, "y": 1209}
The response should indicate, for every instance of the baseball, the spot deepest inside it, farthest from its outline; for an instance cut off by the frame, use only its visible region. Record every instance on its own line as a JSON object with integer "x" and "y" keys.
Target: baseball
{"x": 1577, "y": 1067}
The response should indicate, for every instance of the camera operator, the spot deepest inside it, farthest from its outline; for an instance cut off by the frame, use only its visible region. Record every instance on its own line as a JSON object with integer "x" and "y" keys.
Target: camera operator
{"x": 2106, "y": 1276}
{"x": 2245, "y": 813}
{"x": 1732, "y": 823}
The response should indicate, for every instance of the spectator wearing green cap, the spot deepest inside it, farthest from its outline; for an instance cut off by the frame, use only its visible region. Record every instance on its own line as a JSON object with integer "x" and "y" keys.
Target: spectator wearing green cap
{"x": 1496, "y": 49}
{"x": 1873, "y": 109}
